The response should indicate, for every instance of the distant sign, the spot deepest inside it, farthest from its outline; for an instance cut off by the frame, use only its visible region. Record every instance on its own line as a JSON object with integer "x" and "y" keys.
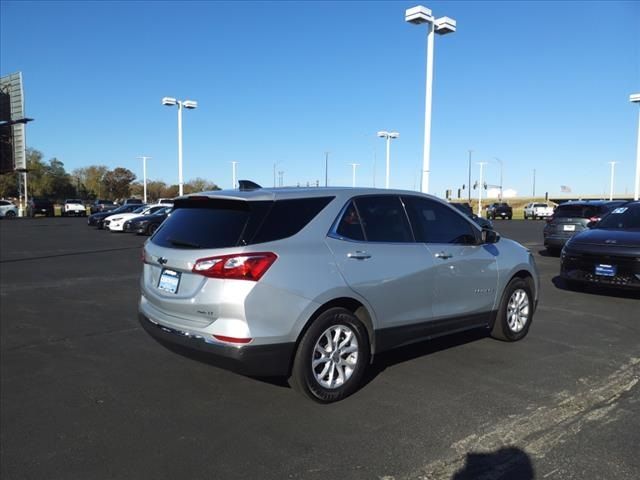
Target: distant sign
{"x": 11, "y": 85}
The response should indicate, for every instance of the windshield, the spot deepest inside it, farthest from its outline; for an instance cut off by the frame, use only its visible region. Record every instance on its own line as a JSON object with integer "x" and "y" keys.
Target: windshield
{"x": 543, "y": 205}
{"x": 139, "y": 210}
{"x": 622, "y": 218}
{"x": 74, "y": 201}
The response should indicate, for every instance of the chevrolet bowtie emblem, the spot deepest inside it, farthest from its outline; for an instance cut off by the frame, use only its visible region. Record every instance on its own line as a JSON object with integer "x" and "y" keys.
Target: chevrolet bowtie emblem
{"x": 162, "y": 260}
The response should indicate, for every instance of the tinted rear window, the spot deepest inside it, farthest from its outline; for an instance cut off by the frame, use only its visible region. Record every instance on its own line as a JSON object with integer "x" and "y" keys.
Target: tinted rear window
{"x": 578, "y": 211}
{"x": 221, "y": 223}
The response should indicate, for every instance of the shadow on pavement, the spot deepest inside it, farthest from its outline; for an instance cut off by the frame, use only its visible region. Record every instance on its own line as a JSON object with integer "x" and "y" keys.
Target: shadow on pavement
{"x": 506, "y": 463}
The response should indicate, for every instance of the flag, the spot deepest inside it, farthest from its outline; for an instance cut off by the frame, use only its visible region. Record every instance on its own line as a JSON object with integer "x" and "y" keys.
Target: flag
{"x": 565, "y": 189}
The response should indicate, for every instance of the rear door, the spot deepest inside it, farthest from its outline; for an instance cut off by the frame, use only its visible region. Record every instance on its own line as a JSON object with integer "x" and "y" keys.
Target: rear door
{"x": 466, "y": 274}
{"x": 377, "y": 256}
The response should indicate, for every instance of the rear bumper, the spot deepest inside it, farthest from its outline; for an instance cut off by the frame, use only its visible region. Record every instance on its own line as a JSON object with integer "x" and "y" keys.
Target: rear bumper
{"x": 557, "y": 241}
{"x": 259, "y": 360}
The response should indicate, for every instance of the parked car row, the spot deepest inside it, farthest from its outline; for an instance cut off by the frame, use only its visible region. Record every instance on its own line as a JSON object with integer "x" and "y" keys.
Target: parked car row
{"x": 132, "y": 217}
{"x": 600, "y": 243}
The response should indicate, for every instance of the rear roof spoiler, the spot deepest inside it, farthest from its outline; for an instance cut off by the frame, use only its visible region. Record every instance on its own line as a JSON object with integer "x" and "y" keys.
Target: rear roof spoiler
{"x": 247, "y": 185}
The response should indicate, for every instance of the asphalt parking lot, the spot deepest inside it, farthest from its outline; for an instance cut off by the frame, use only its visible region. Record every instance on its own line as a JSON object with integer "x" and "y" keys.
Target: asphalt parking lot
{"x": 86, "y": 393}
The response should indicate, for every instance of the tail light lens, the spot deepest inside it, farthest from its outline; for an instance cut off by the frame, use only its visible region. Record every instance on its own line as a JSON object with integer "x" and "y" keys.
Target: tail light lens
{"x": 246, "y": 266}
{"x": 594, "y": 219}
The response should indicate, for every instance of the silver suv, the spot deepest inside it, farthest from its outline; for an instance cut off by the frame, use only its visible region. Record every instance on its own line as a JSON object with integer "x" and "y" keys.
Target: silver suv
{"x": 312, "y": 283}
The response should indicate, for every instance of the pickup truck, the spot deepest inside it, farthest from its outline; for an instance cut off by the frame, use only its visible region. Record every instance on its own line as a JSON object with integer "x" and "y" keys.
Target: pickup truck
{"x": 537, "y": 210}
{"x": 499, "y": 210}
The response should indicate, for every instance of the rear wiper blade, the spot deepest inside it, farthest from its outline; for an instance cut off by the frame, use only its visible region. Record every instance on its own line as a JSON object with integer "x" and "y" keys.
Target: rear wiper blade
{"x": 183, "y": 243}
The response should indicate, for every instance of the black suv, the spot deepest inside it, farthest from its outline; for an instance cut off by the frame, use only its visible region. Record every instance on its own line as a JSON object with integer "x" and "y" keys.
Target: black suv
{"x": 40, "y": 206}
{"x": 571, "y": 218}
{"x": 499, "y": 210}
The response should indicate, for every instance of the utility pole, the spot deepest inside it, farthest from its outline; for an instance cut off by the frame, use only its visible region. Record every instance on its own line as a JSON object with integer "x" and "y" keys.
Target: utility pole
{"x": 480, "y": 187}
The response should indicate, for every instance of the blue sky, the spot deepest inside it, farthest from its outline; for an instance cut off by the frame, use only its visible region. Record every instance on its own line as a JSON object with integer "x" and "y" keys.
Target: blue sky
{"x": 541, "y": 85}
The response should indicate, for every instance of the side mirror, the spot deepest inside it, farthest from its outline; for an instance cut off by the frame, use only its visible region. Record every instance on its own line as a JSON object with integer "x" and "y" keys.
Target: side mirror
{"x": 490, "y": 236}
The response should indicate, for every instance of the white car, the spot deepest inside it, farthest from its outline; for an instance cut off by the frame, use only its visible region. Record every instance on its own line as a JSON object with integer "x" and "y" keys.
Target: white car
{"x": 8, "y": 209}
{"x": 73, "y": 207}
{"x": 537, "y": 210}
{"x": 115, "y": 223}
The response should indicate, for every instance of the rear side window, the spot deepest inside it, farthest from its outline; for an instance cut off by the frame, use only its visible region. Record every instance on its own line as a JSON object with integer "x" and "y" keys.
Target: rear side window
{"x": 434, "y": 222}
{"x": 288, "y": 217}
{"x": 384, "y": 219}
{"x": 220, "y": 223}
{"x": 350, "y": 225}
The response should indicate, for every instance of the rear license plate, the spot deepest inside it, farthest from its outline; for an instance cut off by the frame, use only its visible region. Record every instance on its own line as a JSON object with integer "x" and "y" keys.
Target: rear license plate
{"x": 569, "y": 228}
{"x": 169, "y": 281}
{"x": 605, "y": 270}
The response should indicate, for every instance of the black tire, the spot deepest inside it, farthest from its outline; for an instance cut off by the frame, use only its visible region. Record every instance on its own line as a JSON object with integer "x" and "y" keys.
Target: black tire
{"x": 62, "y": 214}
{"x": 509, "y": 217}
{"x": 10, "y": 214}
{"x": 304, "y": 376}
{"x": 553, "y": 251}
{"x": 151, "y": 229}
{"x": 514, "y": 331}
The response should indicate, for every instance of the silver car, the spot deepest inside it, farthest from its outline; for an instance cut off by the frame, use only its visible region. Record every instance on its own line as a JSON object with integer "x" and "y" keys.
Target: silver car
{"x": 313, "y": 283}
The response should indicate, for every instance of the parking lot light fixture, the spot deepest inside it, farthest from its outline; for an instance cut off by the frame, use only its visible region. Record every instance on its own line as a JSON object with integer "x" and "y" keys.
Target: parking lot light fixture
{"x": 189, "y": 105}
{"x": 233, "y": 174}
{"x": 635, "y": 98}
{"x": 388, "y": 136}
{"x": 442, "y": 26}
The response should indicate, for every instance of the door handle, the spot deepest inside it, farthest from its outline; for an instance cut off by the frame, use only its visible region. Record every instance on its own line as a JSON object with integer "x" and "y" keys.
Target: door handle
{"x": 359, "y": 255}
{"x": 443, "y": 255}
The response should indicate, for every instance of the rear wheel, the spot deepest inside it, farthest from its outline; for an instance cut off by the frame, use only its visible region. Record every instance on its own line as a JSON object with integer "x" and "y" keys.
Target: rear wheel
{"x": 331, "y": 357}
{"x": 515, "y": 313}
{"x": 151, "y": 229}
{"x": 10, "y": 214}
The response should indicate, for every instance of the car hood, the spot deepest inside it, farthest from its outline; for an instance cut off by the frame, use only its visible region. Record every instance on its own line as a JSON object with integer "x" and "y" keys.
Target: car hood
{"x": 613, "y": 237}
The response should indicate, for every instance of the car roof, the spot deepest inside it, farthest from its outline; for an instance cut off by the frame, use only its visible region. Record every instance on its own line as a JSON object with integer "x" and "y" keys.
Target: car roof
{"x": 267, "y": 194}
{"x": 595, "y": 203}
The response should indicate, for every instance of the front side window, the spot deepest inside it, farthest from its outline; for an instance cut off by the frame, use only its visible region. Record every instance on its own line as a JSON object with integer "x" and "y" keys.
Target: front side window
{"x": 384, "y": 219}
{"x": 434, "y": 222}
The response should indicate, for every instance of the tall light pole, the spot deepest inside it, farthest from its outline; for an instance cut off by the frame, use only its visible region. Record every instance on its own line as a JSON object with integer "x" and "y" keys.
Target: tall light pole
{"x": 388, "y": 136}
{"x": 534, "y": 184}
{"x": 189, "y": 105}
{"x": 326, "y": 169}
{"x": 613, "y": 167}
{"x": 469, "y": 184}
{"x": 635, "y": 98}
{"x": 441, "y": 26}
{"x": 500, "y": 162}
{"x": 233, "y": 174}
{"x": 480, "y": 185}
{"x": 353, "y": 173}
{"x": 144, "y": 175}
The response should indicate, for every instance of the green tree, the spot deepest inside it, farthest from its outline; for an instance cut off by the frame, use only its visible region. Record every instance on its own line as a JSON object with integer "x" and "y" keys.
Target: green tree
{"x": 118, "y": 181}
{"x": 199, "y": 185}
{"x": 9, "y": 185}
{"x": 90, "y": 179}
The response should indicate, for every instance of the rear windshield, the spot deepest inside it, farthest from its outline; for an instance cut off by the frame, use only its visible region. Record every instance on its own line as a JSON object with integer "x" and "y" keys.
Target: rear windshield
{"x": 74, "y": 201}
{"x": 543, "y": 205}
{"x": 625, "y": 218}
{"x": 219, "y": 223}
{"x": 578, "y": 211}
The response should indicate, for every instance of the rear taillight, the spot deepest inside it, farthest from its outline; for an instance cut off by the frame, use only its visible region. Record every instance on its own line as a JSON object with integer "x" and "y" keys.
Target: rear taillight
{"x": 246, "y": 266}
{"x": 224, "y": 338}
{"x": 594, "y": 219}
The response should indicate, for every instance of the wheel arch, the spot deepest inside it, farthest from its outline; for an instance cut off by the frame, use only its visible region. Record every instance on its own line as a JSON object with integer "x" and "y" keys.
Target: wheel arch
{"x": 351, "y": 304}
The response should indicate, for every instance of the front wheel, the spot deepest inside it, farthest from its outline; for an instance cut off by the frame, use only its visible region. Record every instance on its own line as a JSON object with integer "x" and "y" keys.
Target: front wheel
{"x": 151, "y": 229}
{"x": 331, "y": 357}
{"x": 10, "y": 214}
{"x": 515, "y": 313}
